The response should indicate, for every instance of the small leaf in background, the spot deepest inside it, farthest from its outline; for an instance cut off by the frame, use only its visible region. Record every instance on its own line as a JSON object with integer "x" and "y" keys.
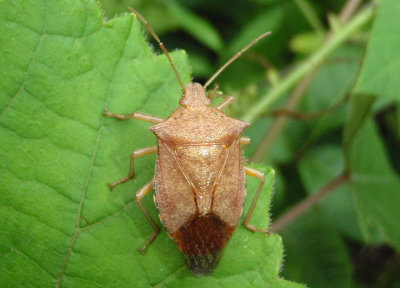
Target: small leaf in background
{"x": 246, "y": 71}
{"x": 375, "y": 186}
{"x": 149, "y": 9}
{"x": 266, "y": 21}
{"x": 360, "y": 106}
{"x": 200, "y": 66}
{"x": 196, "y": 26}
{"x": 306, "y": 43}
{"x": 379, "y": 75}
{"x": 332, "y": 83}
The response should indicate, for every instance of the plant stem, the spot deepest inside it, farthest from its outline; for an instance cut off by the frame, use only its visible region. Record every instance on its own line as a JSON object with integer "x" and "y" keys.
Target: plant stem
{"x": 281, "y": 120}
{"x": 309, "y": 202}
{"x": 309, "y": 115}
{"x": 348, "y": 10}
{"x": 278, "y": 125}
{"x": 310, "y": 15}
{"x": 309, "y": 64}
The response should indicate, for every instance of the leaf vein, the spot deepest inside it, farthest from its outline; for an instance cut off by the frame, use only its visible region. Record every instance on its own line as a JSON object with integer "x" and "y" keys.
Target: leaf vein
{"x": 32, "y": 260}
{"x": 78, "y": 217}
{"x": 41, "y": 183}
{"x": 25, "y": 77}
{"x": 43, "y": 138}
{"x": 60, "y": 115}
{"x": 115, "y": 214}
{"x": 85, "y": 280}
{"x": 35, "y": 217}
{"x": 169, "y": 276}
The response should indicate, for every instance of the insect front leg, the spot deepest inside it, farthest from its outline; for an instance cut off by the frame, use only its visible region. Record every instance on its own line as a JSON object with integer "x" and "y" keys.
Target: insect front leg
{"x": 227, "y": 99}
{"x": 213, "y": 93}
{"x": 244, "y": 141}
{"x": 135, "y": 115}
{"x": 135, "y": 154}
{"x": 225, "y": 103}
{"x": 260, "y": 175}
{"x": 139, "y": 196}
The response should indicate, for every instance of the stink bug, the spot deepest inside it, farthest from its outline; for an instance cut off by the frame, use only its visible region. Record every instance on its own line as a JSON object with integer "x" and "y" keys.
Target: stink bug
{"x": 199, "y": 179}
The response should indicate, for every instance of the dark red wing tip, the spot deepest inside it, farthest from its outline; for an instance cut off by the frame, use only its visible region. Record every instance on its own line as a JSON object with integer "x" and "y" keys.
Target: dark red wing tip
{"x": 201, "y": 265}
{"x": 201, "y": 241}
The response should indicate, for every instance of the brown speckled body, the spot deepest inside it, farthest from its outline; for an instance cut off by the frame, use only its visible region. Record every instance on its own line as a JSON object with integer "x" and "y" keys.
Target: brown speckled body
{"x": 199, "y": 180}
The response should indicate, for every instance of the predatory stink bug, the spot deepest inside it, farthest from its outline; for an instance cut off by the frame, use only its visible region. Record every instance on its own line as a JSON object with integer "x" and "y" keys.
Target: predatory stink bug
{"x": 199, "y": 179}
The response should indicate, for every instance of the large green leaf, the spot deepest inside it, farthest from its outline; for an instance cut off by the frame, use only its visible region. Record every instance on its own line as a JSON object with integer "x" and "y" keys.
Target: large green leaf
{"x": 315, "y": 253}
{"x": 320, "y": 166}
{"x": 380, "y": 70}
{"x": 360, "y": 106}
{"x": 61, "y": 66}
{"x": 376, "y": 187}
{"x": 332, "y": 83}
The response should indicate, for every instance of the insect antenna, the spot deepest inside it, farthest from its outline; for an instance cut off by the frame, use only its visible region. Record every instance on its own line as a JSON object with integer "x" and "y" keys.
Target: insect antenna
{"x": 161, "y": 46}
{"x": 234, "y": 57}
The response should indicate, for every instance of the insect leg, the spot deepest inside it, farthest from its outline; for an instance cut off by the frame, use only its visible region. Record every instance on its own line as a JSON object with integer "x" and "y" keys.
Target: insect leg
{"x": 139, "y": 196}
{"x": 161, "y": 46}
{"x": 260, "y": 175}
{"x": 135, "y": 154}
{"x": 213, "y": 93}
{"x": 234, "y": 57}
{"x": 225, "y": 103}
{"x": 137, "y": 116}
{"x": 244, "y": 141}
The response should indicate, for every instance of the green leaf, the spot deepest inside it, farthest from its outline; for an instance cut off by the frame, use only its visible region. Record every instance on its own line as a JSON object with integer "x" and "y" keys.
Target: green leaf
{"x": 376, "y": 187}
{"x": 332, "y": 83}
{"x": 267, "y": 20}
{"x": 315, "y": 253}
{"x": 317, "y": 168}
{"x": 264, "y": 1}
{"x": 196, "y": 26}
{"x": 201, "y": 67}
{"x": 282, "y": 149}
{"x": 306, "y": 43}
{"x": 162, "y": 21}
{"x": 379, "y": 73}
{"x": 60, "y": 224}
{"x": 360, "y": 106}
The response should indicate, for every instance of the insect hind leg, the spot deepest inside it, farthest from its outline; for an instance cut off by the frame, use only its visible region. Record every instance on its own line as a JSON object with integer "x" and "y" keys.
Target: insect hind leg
{"x": 135, "y": 115}
{"x": 135, "y": 154}
{"x": 260, "y": 175}
{"x": 139, "y": 196}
